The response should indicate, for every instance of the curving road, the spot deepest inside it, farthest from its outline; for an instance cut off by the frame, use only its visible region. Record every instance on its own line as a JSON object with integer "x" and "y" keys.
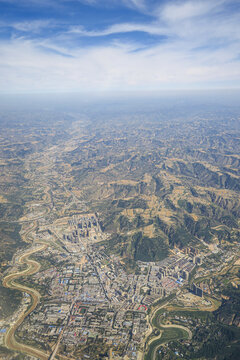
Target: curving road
{"x": 9, "y": 282}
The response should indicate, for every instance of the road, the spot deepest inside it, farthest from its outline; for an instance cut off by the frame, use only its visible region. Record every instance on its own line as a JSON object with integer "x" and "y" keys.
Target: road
{"x": 9, "y": 282}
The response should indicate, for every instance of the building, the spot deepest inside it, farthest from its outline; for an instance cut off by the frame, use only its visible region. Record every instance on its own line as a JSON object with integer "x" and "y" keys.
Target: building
{"x": 197, "y": 290}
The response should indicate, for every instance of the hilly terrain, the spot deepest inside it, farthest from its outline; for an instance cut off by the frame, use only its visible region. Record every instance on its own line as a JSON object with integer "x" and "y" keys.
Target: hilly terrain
{"x": 157, "y": 176}
{"x": 157, "y": 183}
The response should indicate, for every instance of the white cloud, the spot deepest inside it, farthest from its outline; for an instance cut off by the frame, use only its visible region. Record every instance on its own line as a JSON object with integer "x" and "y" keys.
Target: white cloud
{"x": 153, "y": 28}
{"x": 32, "y": 26}
{"x": 24, "y": 67}
{"x": 199, "y": 21}
{"x": 189, "y": 9}
{"x": 201, "y": 52}
{"x": 139, "y": 4}
{"x": 136, "y": 4}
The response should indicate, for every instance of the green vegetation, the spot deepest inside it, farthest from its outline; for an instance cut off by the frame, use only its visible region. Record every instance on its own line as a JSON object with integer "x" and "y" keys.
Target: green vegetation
{"x": 6, "y": 353}
{"x": 148, "y": 249}
{"x": 167, "y": 335}
{"x": 215, "y": 334}
{"x": 9, "y": 301}
{"x": 196, "y": 314}
{"x": 161, "y": 302}
{"x": 11, "y": 241}
{"x": 171, "y": 334}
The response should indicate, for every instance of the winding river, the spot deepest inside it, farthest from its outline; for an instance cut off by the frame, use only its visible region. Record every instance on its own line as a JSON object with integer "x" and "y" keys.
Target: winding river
{"x": 10, "y": 282}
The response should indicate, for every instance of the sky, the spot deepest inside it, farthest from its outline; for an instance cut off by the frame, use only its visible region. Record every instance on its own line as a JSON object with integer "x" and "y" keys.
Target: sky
{"x": 118, "y": 45}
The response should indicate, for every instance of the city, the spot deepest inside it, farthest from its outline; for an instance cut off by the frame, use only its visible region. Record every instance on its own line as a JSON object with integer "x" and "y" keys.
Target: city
{"x": 90, "y": 299}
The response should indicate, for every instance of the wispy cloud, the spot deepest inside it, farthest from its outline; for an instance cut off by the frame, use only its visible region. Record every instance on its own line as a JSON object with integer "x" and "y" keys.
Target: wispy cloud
{"x": 201, "y": 50}
{"x": 200, "y": 23}
{"x": 190, "y": 9}
{"x": 32, "y": 26}
{"x": 139, "y": 4}
{"x": 152, "y": 28}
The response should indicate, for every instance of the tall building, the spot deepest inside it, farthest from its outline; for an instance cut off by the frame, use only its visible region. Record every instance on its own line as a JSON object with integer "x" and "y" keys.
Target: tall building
{"x": 198, "y": 260}
{"x": 197, "y": 290}
{"x": 185, "y": 274}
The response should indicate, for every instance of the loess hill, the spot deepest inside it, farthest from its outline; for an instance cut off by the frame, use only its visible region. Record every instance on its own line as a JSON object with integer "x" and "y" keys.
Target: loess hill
{"x": 158, "y": 182}
{"x": 156, "y": 177}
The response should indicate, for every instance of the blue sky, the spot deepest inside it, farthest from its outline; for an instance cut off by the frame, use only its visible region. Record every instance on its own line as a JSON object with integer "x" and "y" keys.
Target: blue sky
{"x": 112, "y": 45}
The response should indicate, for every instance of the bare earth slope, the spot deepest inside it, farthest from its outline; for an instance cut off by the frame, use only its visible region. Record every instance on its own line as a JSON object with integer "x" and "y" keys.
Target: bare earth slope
{"x": 156, "y": 178}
